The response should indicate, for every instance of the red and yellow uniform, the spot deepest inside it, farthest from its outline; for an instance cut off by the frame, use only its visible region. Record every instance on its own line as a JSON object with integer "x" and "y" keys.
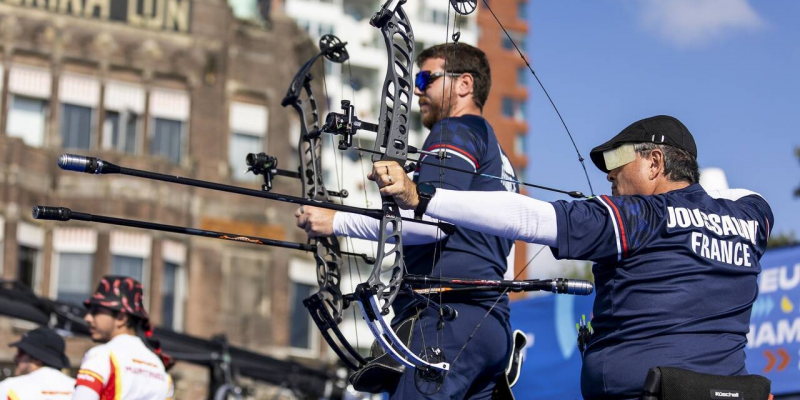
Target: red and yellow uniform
{"x": 43, "y": 384}
{"x": 124, "y": 369}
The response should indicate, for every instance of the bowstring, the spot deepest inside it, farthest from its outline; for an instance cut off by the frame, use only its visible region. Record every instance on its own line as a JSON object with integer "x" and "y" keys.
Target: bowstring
{"x": 580, "y": 159}
{"x": 339, "y": 175}
{"x": 438, "y": 246}
{"x": 541, "y": 85}
{"x": 348, "y": 239}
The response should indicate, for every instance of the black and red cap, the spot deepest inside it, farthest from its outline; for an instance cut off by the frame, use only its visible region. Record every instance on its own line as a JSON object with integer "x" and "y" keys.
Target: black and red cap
{"x": 660, "y": 129}
{"x": 119, "y": 293}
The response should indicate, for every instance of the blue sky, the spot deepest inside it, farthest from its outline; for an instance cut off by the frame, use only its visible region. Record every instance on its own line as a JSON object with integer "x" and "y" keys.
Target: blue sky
{"x": 729, "y": 69}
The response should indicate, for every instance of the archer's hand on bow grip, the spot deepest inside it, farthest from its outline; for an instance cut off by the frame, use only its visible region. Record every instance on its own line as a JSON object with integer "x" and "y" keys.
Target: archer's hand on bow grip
{"x": 317, "y": 222}
{"x": 393, "y": 181}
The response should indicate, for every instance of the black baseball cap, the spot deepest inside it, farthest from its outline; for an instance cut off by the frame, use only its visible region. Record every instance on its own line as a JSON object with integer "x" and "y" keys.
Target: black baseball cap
{"x": 45, "y": 345}
{"x": 661, "y": 129}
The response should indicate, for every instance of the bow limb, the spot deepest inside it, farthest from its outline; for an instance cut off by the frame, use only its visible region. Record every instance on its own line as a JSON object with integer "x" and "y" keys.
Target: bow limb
{"x": 327, "y": 254}
{"x": 327, "y": 304}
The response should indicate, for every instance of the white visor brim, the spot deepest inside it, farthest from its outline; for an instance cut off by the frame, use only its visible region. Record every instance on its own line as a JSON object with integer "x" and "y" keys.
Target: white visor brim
{"x": 619, "y": 156}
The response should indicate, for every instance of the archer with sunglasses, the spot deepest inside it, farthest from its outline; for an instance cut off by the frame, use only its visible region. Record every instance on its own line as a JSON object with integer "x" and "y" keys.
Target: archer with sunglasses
{"x": 452, "y": 86}
{"x": 129, "y": 364}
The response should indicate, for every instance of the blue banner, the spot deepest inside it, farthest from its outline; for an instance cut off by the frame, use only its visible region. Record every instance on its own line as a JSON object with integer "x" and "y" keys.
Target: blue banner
{"x": 552, "y": 365}
{"x": 773, "y": 344}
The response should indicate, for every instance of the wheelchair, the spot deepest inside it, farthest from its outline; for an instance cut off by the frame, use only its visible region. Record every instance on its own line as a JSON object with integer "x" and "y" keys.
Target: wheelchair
{"x": 670, "y": 383}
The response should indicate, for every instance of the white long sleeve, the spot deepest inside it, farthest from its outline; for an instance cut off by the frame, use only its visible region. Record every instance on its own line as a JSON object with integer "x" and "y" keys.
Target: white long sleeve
{"x": 505, "y": 214}
{"x": 363, "y": 227}
{"x": 731, "y": 194}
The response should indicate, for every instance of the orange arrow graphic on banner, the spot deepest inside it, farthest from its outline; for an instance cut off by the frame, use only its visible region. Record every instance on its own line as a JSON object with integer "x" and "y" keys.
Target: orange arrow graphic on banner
{"x": 784, "y": 359}
{"x": 770, "y": 361}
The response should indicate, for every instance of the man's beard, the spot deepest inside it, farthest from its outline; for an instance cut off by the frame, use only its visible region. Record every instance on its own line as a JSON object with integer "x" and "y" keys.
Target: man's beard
{"x": 435, "y": 114}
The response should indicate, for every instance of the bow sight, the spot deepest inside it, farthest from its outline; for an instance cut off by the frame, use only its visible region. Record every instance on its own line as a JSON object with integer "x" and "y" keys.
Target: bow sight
{"x": 346, "y": 125}
{"x": 267, "y": 166}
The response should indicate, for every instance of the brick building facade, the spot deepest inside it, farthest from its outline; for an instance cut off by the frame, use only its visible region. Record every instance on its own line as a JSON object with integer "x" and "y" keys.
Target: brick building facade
{"x": 172, "y": 86}
{"x": 505, "y": 108}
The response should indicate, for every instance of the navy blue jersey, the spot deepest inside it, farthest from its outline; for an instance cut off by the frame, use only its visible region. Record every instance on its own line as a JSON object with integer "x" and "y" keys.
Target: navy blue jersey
{"x": 676, "y": 279}
{"x": 471, "y": 144}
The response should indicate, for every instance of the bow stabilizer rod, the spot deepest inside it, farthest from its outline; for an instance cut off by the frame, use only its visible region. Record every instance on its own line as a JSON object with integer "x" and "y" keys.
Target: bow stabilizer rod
{"x": 66, "y": 214}
{"x": 576, "y": 287}
{"x": 92, "y": 165}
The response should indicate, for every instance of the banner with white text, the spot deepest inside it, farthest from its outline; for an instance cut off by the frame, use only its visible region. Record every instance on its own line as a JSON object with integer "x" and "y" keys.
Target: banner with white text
{"x": 773, "y": 344}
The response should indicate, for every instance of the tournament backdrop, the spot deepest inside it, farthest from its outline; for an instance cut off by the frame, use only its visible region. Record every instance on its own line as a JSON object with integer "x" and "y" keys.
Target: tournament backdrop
{"x": 553, "y": 363}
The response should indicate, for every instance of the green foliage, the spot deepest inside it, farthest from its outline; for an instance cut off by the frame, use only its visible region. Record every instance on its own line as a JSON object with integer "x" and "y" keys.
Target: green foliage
{"x": 783, "y": 239}
{"x": 578, "y": 270}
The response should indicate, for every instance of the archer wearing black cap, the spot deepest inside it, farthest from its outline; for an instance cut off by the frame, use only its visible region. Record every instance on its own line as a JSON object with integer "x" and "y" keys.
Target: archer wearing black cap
{"x": 675, "y": 266}
{"x": 676, "y": 156}
{"x": 40, "y": 357}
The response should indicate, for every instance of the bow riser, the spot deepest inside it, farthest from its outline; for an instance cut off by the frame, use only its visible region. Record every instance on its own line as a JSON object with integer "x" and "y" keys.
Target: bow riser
{"x": 397, "y": 91}
{"x": 396, "y": 97}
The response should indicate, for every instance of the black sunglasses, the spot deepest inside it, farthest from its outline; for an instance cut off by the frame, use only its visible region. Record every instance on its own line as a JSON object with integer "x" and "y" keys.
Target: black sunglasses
{"x": 424, "y": 78}
{"x": 95, "y": 309}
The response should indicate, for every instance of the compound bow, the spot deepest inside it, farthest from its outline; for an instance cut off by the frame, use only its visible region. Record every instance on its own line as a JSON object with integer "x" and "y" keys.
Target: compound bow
{"x": 376, "y": 295}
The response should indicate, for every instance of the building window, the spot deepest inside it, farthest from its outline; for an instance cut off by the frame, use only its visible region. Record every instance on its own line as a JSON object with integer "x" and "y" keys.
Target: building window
{"x": 439, "y": 17}
{"x": 300, "y": 323}
{"x": 325, "y": 29}
{"x": 522, "y": 10}
{"x": 508, "y": 107}
{"x": 522, "y": 76}
{"x": 76, "y": 126}
{"x": 27, "y": 119}
{"x": 128, "y": 266}
{"x": 26, "y": 268}
{"x": 169, "y": 110}
{"x": 75, "y": 277}
{"x": 302, "y": 332}
{"x": 167, "y": 137}
{"x": 168, "y": 299}
{"x": 520, "y": 143}
{"x": 248, "y": 124}
{"x": 120, "y": 131}
{"x": 241, "y": 145}
{"x": 513, "y": 109}
{"x": 519, "y": 39}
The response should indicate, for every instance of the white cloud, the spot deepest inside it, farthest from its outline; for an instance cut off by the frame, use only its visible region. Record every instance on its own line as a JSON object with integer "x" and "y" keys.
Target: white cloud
{"x": 693, "y": 23}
